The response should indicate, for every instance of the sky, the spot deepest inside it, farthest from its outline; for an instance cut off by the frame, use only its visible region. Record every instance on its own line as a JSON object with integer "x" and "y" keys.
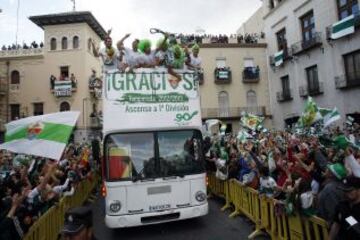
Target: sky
{"x": 129, "y": 16}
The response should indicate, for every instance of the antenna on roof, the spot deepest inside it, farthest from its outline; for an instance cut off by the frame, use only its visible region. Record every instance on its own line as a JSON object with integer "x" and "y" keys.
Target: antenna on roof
{"x": 74, "y": 5}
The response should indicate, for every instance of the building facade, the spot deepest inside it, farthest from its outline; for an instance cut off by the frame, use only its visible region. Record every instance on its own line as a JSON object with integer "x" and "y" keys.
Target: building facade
{"x": 313, "y": 50}
{"x": 54, "y": 77}
{"x": 235, "y": 81}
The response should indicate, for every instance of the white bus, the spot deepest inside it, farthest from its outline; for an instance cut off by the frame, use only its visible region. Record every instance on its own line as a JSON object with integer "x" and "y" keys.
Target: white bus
{"x": 153, "y": 166}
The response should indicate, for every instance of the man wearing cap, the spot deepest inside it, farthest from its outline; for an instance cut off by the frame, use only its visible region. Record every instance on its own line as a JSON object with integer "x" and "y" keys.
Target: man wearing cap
{"x": 78, "y": 224}
{"x": 331, "y": 195}
{"x": 347, "y": 218}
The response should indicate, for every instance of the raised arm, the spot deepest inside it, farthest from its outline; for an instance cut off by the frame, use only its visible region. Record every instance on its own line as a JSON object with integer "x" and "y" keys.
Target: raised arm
{"x": 120, "y": 43}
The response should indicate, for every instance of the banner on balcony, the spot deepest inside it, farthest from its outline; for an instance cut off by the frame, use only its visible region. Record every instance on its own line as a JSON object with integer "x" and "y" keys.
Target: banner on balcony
{"x": 344, "y": 27}
{"x": 223, "y": 74}
{"x": 62, "y": 88}
{"x": 44, "y": 135}
{"x": 279, "y": 58}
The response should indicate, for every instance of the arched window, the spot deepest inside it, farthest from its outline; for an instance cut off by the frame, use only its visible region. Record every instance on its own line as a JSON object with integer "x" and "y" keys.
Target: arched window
{"x": 64, "y": 106}
{"x": 53, "y": 44}
{"x": 64, "y": 43}
{"x": 224, "y": 104}
{"x": 89, "y": 44}
{"x": 75, "y": 42}
{"x": 251, "y": 99}
{"x": 15, "y": 77}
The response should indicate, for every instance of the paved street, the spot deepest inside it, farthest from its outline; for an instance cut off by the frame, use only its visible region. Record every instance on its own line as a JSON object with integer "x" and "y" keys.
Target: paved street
{"x": 215, "y": 226}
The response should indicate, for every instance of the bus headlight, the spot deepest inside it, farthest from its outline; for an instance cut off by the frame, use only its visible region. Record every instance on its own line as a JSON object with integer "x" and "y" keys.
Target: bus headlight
{"x": 115, "y": 206}
{"x": 200, "y": 196}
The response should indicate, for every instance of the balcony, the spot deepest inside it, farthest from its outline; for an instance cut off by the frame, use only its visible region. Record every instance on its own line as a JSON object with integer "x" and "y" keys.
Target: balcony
{"x": 15, "y": 53}
{"x": 303, "y": 46}
{"x": 350, "y": 80}
{"x": 251, "y": 75}
{"x": 222, "y": 75}
{"x": 231, "y": 112}
{"x": 284, "y": 96}
{"x": 305, "y": 91}
{"x": 329, "y": 29}
{"x": 63, "y": 88}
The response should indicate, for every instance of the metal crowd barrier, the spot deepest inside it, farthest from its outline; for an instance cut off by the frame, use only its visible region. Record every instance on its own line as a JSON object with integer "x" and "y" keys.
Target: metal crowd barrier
{"x": 50, "y": 223}
{"x": 261, "y": 211}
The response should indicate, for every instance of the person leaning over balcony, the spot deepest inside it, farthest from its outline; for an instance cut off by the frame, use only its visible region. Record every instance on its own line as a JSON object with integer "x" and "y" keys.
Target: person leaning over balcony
{"x": 52, "y": 81}
{"x": 73, "y": 81}
{"x": 347, "y": 213}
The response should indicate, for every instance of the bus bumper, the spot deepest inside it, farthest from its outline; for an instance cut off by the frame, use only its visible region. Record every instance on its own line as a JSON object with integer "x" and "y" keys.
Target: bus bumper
{"x": 123, "y": 221}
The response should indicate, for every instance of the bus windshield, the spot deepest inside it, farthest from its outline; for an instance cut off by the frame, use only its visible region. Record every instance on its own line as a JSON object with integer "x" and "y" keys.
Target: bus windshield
{"x": 148, "y": 155}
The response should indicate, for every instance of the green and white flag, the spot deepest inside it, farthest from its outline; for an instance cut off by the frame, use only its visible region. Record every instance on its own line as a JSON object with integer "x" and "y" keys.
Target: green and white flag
{"x": 279, "y": 58}
{"x": 251, "y": 121}
{"x": 44, "y": 135}
{"x": 329, "y": 115}
{"x": 344, "y": 27}
{"x": 243, "y": 136}
{"x": 310, "y": 115}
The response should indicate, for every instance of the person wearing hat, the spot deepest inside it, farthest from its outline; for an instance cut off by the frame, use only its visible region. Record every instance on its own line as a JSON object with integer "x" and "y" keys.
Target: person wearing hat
{"x": 78, "y": 224}
{"x": 331, "y": 195}
{"x": 347, "y": 218}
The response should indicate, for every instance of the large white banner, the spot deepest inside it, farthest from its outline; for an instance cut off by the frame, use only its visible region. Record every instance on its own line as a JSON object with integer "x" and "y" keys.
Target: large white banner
{"x": 150, "y": 98}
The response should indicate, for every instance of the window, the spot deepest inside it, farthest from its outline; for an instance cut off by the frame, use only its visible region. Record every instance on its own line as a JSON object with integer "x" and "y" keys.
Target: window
{"x": 285, "y": 84}
{"x": 223, "y": 104}
{"x": 64, "y": 43}
{"x": 248, "y": 63}
{"x": 271, "y": 4}
{"x": 64, "y": 106}
{"x": 308, "y": 26}
{"x": 75, "y": 42}
{"x": 312, "y": 80}
{"x": 64, "y": 73}
{"x": 53, "y": 44}
{"x": 347, "y": 7}
{"x": 221, "y": 62}
{"x": 352, "y": 67}
{"x": 15, "y": 77}
{"x": 281, "y": 40}
{"x": 38, "y": 109}
{"x": 251, "y": 100}
{"x": 14, "y": 111}
{"x": 135, "y": 156}
{"x": 89, "y": 44}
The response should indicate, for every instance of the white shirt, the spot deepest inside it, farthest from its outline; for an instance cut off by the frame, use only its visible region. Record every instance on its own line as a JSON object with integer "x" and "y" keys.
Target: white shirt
{"x": 352, "y": 164}
{"x": 148, "y": 59}
{"x": 195, "y": 61}
{"x": 132, "y": 59}
{"x": 109, "y": 63}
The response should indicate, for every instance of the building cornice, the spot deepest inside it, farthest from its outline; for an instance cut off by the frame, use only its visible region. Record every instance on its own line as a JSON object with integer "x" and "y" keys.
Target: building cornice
{"x": 233, "y": 45}
{"x": 274, "y": 9}
{"x": 69, "y": 18}
{"x": 302, "y": 5}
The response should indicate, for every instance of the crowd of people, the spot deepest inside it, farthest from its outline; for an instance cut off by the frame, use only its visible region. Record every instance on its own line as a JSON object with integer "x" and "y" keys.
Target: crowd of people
{"x": 30, "y": 185}
{"x": 220, "y": 38}
{"x": 306, "y": 173}
{"x": 63, "y": 77}
{"x": 14, "y": 46}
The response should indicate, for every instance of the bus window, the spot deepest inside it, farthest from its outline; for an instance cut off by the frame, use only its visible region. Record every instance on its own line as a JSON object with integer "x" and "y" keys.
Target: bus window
{"x": 130, "y": 155}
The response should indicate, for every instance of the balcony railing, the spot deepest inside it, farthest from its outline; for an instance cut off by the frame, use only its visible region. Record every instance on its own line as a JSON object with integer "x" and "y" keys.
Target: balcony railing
{"x": 306, "y": 90}
{"x": 222, "y": 75}
{"x": 251, "y": 75}
{"x": 21, "y": 52}
{"x": 302, "y": 46}
{"x": 348, "y": 81}
{"x": 232, "y": 112}
{"x": 63, "y": 88}
{"x": 356, "y": 24}
{"x": 284, "y": 96}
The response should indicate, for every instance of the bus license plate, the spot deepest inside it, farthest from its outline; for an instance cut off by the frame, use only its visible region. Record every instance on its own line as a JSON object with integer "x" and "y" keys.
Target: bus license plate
{"x": 159, "y": 207}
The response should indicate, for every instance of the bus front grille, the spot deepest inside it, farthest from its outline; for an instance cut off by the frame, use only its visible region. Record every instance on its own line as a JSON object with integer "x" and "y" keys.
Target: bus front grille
{"x": 160, "y": 218}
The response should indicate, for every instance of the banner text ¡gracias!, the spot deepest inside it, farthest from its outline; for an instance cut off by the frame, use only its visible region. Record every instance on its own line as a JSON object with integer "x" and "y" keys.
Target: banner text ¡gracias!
{"x": 144, "y": 81}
